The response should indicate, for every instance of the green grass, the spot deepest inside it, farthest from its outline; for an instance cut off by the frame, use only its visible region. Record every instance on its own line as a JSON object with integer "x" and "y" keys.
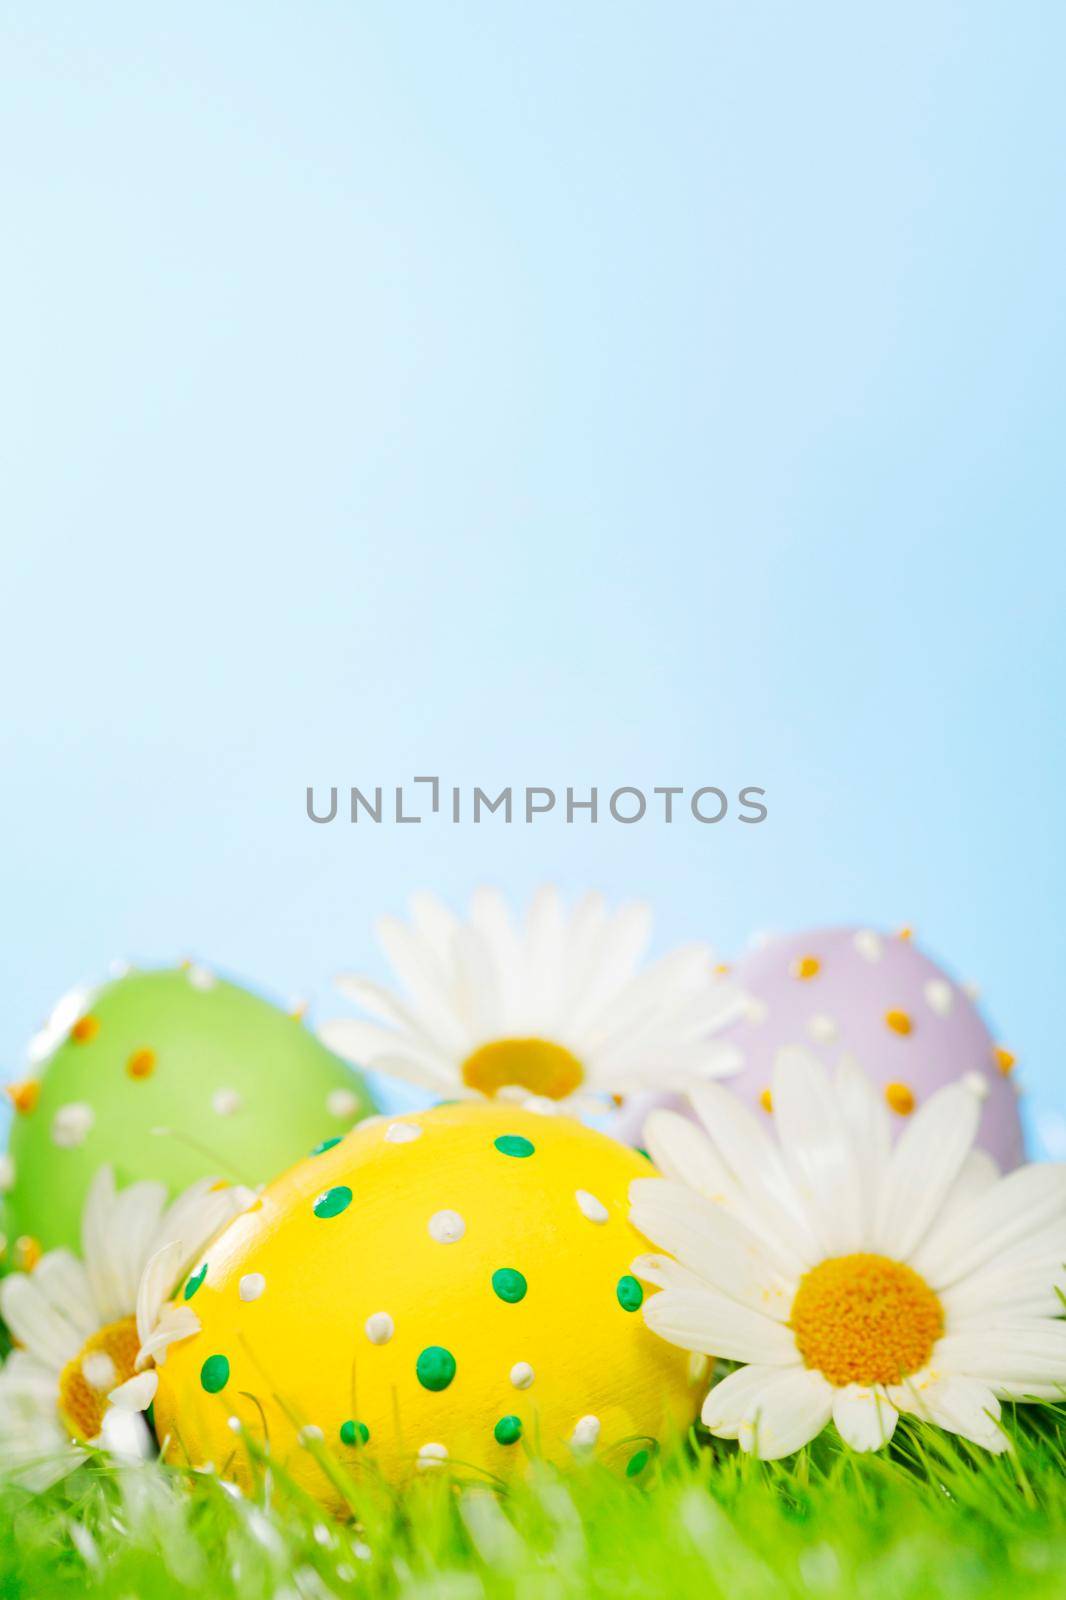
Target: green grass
{"x": 931, "y": 1518}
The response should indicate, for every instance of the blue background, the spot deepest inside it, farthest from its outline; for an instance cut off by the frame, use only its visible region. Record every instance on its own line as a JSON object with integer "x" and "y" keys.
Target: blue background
{"x": 601, "y": 394}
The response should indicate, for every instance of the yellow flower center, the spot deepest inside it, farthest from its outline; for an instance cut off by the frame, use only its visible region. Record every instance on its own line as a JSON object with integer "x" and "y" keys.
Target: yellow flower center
{"x": 534, "y": 1064}
{"x": 104, "y": 1361}
{"x": 865, "y": 1319}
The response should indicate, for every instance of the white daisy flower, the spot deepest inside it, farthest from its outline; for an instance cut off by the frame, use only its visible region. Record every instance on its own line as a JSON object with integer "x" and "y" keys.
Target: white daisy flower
{"x": 89, "y": 1332}
{"x": 854, "y": 1280}
{"x": 556, "y": 1008}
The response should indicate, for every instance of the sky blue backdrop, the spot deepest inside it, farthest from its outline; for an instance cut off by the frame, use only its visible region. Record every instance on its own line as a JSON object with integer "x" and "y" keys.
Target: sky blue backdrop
{"x": 604, "y": 393}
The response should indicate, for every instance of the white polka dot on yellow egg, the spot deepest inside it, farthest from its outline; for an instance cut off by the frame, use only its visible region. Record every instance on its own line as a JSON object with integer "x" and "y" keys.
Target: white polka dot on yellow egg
{"x": 465, "y": 1295}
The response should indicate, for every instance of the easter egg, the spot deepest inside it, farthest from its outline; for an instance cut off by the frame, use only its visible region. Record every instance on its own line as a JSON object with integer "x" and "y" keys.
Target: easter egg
{"x": 172, "y": 1075}
{"x": 454, "y": 1285}
{"x": 876, "y": 997}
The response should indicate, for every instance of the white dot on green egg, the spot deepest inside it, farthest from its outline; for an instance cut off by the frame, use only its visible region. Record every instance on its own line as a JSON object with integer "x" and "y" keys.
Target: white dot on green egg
{"x": 869, "y": 944}
{"x": 379, "y": 1328}
{"x": 71, "y": 1125}
{"x": 251, "y": 1286}
{"x": 938, "y": 996}
{"x": 7, "y": 1173}
{"x": 977, "y": 1084}
{"x": 446, "y": 1227}
{"x": 431, "y": 1455}
{"x": 522, "y": 1375}
{"x": 586, "y": 1433}
{"x": 822, "y": 1029}
{"x": 200, "y": 977}
{"x": 590, "y": 1207}
{"x": 225, "y": 1102}
{"x": 341, "y": 1103}
{"x": 402, "y": 1133}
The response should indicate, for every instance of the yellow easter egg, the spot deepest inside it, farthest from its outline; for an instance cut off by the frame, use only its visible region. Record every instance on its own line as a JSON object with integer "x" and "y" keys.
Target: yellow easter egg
{"x": 450, "y": 1285}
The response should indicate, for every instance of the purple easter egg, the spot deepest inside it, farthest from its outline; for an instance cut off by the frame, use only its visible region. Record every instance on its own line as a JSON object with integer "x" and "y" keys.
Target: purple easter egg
{"x": 877, "y": 998}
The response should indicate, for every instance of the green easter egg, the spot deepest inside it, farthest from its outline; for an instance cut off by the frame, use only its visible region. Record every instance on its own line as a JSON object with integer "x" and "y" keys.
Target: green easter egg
{"x": 172, "y": 1075}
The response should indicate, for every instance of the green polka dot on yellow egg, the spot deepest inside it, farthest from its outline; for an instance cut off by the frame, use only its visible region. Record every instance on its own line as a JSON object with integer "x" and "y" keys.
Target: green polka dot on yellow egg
{"x": 214, "y": 1374}
{"x": 331, "y": 1202}
{"x": 629, "y": 1293}
{"x": 435, "y": 1367}
{"x": 509, "y": 1285}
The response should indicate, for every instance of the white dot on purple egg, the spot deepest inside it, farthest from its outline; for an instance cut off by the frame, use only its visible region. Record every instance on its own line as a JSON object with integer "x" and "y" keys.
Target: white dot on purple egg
{"x": 938, "y": 996}
{"x": 754, "y": 1010}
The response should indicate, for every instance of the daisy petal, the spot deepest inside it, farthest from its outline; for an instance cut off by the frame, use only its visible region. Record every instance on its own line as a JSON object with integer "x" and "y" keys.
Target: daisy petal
{"x": 95, "y": 1251}
{"x": 865, "y": 1116}
{"x": 923, "y": 1167}
{"x": 420, "y": 971}
{"x": 390, "y": 1010}
{"x": 665, "y": 1273}
{"x": 125, "y": 1434}
{"x": 1007, "y": 1212}
{"x": 137, "y": 1393}
{"x": 157, "y": 1281}
{"x": 816, "y": 1149}
{"x": 977, "y": 1173}
{"x": 134, "y": 1219}
{"x": 196, "y": 1216}
{"x": 731, "y": 1401}
{"x": 865, "y": 1418}
{"x": 755, "y": 1163}
{"x": 710, "y": 1323}
{"x": 60, "y": 1277}
{"x": 621, "y": 944}
{"x": 366, "y": 1044}
{"x": 175, "y": 1323}
{"x": 1026, "y": 1280}
{"x": 1027, "y": 1356}
{"x": 683, "y": 1152}
{"x": 791, "y": 1409}
{"x": 435, "y": 925}
{"x": 712, "y": 1244}
{"x": 477, "y": 988}
{"x": 960, "y": 1405}
{"x": 36, "y": 1323}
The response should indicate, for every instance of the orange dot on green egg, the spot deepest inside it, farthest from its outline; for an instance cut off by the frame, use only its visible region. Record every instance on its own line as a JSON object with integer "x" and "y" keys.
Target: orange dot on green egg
{"x": 27, "y": 1252}
{"x": 141, "y": 1063}
{"x": 24, "y": 1096}
{"x": 85, "y": 1029}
